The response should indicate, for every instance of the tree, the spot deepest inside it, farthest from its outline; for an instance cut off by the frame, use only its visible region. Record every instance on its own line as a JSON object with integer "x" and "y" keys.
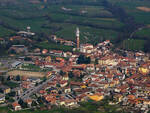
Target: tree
{"x": 2, "y": 79}
{"x": 147, "y": 46}
{"x": 27, "y": 59}
{"x": 57, "y": 85}
{"x": 18, "y": 78}
{"x": 83, "y": 60}
{"x": 12, "y": 51}
{"x": 22, "y": 103}
{"x": 59, "y": 92}
{"x": 40, "y": 100}
{"x": 62, "y": 73}
{"x": 8, "y": 78}
{"x": 96, "y": 61}
{"x": 44, "y": 78}
{"x": 12, "y": 94}
{"x": 33, "y": 103}
{"x": 70, "y": 74}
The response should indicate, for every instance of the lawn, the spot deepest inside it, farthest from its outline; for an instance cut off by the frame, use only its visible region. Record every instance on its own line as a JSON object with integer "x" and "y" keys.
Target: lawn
{"x": 31, "y": 67}
{"x": 11, "y": 84}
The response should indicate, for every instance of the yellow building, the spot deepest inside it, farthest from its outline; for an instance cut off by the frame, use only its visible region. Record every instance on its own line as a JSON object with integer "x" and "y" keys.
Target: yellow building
{"x": 143, "y": 70}
{"x": 96, "y": 97}
{"x": 84, "y": 86}
{"x": 5, "y": 89}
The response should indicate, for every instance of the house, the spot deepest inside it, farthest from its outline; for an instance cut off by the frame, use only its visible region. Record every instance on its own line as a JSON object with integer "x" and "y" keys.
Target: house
{"x": 26, "y": 84}
{"x": 65, "y": 77}
{"x": 67, "y": 54}
{"x": 90, "y": 67}
{"x": 108, "y": 60}
{"x": 63, "y": 83}
{"x": 49, "y": 74}
{"x": 68, "y": 43}
{"x": 16, "y": 106}
{"x": 56, "y": 52}
{"x": 67, "y": 89}
{"x": 44, "y": 51}
{"x": 29, "y": 102}
{"x": 70, "y": 102}
{"x": 2, "y": 41}
{"x": 15, "y": 64}
{"x": 62, "y": 102}
{"x": 37, "y": 50}
{"x": 50, "y": 98}
{"x": 18, "y": 90}
{"x": 5, "y": 89}
{"x": 146, "y": 102}
{"x": 18, "y": 49}
{"x": 81, "y": 97}
{"x": 86, "y": 48}
{"x": 2, "y": 98}
{"x": 118, "y": 97}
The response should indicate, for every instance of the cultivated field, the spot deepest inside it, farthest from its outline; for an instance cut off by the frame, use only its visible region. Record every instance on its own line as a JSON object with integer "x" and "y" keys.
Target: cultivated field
{"x": 51, "y": 18}
{"x": 97, "y": 20}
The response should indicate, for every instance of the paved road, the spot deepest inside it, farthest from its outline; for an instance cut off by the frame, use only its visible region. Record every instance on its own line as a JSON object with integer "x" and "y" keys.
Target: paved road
{"x": 32, "y": 90}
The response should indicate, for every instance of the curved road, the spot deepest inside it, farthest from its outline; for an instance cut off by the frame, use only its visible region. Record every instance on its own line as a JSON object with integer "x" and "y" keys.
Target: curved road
{"x": 139, "y": 29}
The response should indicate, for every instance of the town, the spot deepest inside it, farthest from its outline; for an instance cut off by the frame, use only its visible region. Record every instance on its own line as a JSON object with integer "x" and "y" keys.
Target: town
{"x": 43, "y": 78}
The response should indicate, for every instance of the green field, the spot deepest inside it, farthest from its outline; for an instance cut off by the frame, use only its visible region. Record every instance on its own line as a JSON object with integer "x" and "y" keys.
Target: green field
{"x": 51, "y": 46}
{"x": 133, "y": 44}
{"x": 61, "y": 17}
{"x": 143, "y": 33}
{"x": 52, "y": 19}
{"x": 131, "y": 8}
{"x": 85, "y": 107}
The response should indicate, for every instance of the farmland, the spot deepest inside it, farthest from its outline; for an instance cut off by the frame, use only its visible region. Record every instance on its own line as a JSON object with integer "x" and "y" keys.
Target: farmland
{"x": 52, "y": 19}
{"x": 97, "y": 20}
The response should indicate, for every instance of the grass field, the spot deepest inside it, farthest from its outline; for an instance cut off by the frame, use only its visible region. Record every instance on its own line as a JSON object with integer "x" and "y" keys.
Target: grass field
{"x": 51, "y": 46}
{"x": 143, "y": 33}
{"x": 133, "y": 44}
{"x": 85, "y": 107}
{"x": 96, "y": 17}
{"x": 61, "y": 17}
{"x": 131, "y": 8}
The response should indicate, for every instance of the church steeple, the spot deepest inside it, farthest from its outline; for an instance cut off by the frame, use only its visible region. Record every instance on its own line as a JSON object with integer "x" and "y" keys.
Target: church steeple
{"x": 78, "y": 37}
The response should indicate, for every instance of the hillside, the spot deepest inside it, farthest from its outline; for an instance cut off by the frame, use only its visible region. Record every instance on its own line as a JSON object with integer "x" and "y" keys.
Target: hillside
{"x": 97, "y": 19}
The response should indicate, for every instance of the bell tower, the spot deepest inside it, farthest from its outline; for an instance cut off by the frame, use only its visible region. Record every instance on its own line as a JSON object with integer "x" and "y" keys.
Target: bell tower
{"x": 78, "y": 37}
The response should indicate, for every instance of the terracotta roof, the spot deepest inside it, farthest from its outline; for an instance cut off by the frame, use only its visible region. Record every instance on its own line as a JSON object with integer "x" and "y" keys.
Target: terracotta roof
{"x": 15, "y": 104}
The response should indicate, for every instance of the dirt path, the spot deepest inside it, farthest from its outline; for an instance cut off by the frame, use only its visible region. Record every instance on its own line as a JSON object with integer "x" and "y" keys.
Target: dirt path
{"x": 146, "y": 9}
{"x": 26, "y": 73}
